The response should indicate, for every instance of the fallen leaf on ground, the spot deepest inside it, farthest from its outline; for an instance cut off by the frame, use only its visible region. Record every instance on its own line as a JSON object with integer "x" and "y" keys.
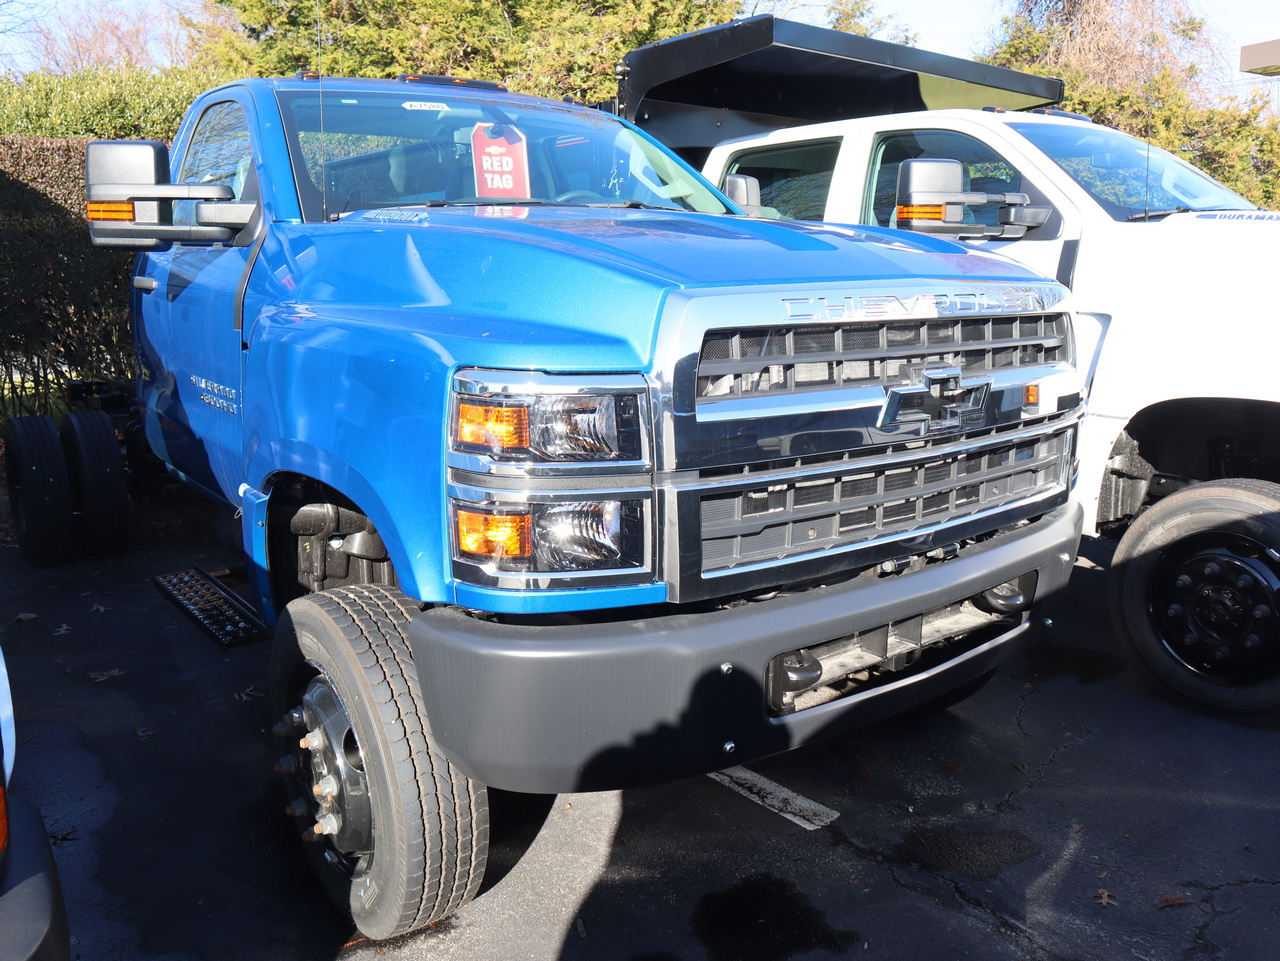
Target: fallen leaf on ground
{"x": 23, "y": 618}
{"x": 1104, "y": 898}
{"x": 68, "y": 835}
{"x": 62, "y": 629}
{"x": 98, "y": 609}
{"x": 1021, "y": 767}
{"x": 28, "y": 739}
{"x": 247, "y": 693}
{"x": 1173, "y": 901}
{"x": 100, "y": 676}
{"x": 141, "y": 734}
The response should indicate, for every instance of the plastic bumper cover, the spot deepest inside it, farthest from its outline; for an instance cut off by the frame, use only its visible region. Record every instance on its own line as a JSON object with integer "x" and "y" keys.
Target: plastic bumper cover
{"x": 33, "y": 916}
{"x": 556, "y": 708}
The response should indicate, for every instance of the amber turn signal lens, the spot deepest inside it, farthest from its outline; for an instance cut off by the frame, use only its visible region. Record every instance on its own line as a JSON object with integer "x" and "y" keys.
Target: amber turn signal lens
{"x": 493, "y": 535}
{"x": 111, "y": 211}
{"x": 1031, "y": 395}
{"x": 487, "y": 425}
{"x": 921, "y": 212}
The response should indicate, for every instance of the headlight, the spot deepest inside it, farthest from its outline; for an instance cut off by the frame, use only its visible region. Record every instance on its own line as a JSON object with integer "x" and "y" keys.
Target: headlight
{"x": 550, "y": 538}
{"x": 544, "y": 421}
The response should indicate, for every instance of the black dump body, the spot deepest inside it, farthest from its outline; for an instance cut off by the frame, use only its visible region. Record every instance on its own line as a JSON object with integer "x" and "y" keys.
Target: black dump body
{"x": 749, "y": 76}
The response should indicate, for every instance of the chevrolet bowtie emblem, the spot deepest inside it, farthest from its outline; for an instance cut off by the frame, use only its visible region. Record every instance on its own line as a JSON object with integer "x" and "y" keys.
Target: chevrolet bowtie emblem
{"x": 935, "y": 400}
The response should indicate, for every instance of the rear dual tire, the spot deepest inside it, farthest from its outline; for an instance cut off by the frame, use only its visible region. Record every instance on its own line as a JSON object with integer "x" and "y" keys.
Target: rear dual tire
{"x": 66, "y": 488}
{"x": 39, "y": 489}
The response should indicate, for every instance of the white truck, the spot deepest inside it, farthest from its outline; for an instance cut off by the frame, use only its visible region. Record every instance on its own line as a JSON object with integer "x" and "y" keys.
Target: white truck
{"x": 1180, "y": 451}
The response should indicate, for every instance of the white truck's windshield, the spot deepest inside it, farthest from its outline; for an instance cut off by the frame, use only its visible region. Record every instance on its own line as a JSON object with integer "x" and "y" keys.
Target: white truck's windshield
{"x": 1128, "y": 178}
{"x": 364, "y": 149}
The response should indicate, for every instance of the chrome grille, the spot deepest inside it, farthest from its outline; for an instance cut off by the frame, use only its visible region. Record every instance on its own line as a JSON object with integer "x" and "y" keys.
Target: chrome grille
{"x": 733, "y": 363}
{"x": 769, "y": 519}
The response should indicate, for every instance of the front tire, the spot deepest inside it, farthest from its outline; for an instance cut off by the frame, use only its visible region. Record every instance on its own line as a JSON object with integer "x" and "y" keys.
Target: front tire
{"x": 405, "y": 832}
{"x": 1195, "y": 599}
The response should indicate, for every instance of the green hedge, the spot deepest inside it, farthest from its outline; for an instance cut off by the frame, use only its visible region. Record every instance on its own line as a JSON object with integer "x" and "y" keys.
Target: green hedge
{"x": 117, "y": 104}
{"x": 66, "y": 301}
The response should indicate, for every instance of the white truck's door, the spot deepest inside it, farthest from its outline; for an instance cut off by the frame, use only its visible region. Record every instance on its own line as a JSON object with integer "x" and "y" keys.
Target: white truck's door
{"x": 1049, "y": 249}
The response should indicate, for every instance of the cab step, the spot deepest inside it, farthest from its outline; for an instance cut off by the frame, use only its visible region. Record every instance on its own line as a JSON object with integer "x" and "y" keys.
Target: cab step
{"x": 214, "y": 606}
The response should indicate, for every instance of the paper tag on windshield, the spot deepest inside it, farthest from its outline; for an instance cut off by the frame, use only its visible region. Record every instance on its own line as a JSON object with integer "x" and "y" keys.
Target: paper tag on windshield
{"x": 500, "y": 156}
{"x": 423, "y": 105}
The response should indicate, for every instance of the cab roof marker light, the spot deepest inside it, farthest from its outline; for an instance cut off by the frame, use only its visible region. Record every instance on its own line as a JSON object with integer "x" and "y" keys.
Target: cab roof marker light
{"x": 450, "y": 81}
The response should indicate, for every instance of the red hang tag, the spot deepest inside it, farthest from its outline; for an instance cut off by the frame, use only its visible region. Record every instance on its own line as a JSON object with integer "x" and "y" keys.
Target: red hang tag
{"x": 500, "y": 156}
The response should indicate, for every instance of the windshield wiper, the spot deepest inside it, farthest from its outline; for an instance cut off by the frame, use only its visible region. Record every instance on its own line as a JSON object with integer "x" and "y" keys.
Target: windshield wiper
{"x": 1163, "y": 212}
{"x": 633, "y": 205}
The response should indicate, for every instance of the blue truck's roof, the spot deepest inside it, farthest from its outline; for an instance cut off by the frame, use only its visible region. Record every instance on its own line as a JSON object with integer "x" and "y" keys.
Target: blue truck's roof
{"x": 455, "y": 87}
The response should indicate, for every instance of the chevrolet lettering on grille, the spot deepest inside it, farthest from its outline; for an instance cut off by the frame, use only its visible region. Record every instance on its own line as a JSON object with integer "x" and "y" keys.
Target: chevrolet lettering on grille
{"x": 935, "y": 400}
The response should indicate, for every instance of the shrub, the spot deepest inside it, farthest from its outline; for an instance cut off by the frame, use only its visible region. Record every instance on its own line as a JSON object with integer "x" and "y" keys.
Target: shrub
{"x": 66, "y": 301}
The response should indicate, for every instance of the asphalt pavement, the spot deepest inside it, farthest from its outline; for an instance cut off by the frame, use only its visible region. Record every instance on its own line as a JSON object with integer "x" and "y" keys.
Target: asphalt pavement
{"x": 1063, "y": 812}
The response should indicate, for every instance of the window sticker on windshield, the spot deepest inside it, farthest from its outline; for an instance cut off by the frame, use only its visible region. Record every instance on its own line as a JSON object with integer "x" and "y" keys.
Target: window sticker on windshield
{"x": 350, "y": 101}
{"x": 500, "y": 156}
{"x": 423, "y": 105}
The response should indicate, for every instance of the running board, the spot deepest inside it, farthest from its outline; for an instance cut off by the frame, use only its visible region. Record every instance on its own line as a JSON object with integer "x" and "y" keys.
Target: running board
{"x": 214, "y": 607}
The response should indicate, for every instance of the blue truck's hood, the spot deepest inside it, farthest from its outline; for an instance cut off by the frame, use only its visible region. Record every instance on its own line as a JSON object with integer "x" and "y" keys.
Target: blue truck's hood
{"x": 565, "y": 288}
{"x": 683, "y": 249}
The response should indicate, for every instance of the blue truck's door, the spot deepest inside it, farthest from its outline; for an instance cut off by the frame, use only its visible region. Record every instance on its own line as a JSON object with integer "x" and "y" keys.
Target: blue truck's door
{"x": 188, "y": 346}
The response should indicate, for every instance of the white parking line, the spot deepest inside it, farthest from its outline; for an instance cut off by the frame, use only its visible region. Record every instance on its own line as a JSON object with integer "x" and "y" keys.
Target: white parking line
{"x": 810, "y": 815}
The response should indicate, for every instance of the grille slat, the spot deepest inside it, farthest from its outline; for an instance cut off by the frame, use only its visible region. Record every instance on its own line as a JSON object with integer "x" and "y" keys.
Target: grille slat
{"x": 807, "y": 357}
{"x": 867, "y": 502}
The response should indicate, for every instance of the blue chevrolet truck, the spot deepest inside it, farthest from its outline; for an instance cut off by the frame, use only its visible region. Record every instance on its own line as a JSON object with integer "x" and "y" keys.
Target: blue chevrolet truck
{"x": 553, "y": 472}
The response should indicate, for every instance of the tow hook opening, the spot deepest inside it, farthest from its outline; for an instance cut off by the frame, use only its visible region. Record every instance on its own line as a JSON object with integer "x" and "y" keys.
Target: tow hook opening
{"x": 1011, "y": 597}
{"x": 808, "y": 677}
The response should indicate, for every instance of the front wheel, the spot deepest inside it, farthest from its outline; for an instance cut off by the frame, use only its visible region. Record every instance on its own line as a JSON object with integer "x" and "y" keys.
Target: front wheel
{"x": 1195, "y": 598}
{"x": 398, "y": 834}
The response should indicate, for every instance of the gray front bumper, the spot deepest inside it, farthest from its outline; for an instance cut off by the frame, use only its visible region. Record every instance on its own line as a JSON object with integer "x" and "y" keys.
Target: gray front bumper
{"x": 583, "y": 707}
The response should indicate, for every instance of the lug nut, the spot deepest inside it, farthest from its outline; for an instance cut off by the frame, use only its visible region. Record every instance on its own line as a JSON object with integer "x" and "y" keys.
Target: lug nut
{"x": 1211, "y": 569}
{"x": 296, "y": 808}
{"x": 1188, "y": 639}
{"x": 1261, "y": 612}
{"x": 313, "y": 741}
{"x": 1251, "y": 641}
{"x": 1175, "y": 610}
{"x": 1221, "y": 653}
{"x": 1244, "y": 582}
{"x": 327, "y": 786}
{"x": 326, "y": 825}
{"x": 728, "y": 747}
{"x": 287, "y": 723}
{"x": 1183, "y": 582}
{"x": 286, "y": 765}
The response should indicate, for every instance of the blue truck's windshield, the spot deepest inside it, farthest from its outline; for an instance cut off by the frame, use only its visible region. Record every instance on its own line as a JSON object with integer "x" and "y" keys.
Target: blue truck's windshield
{"x": 1130, "y": 179}
{"x": 359, "y": 149}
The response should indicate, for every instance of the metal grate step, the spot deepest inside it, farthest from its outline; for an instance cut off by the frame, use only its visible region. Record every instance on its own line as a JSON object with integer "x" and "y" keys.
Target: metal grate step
{"x": 213, "y": 606}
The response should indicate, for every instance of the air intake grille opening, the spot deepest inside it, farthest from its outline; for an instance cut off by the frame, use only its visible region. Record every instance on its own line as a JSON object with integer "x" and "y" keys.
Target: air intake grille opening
{"x": 736, "y": 363}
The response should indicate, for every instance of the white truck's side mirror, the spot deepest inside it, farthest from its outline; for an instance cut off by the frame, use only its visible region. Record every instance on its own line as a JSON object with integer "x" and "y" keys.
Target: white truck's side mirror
{"x": 744, "y": 191}
{"x": 932, "y": 199}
